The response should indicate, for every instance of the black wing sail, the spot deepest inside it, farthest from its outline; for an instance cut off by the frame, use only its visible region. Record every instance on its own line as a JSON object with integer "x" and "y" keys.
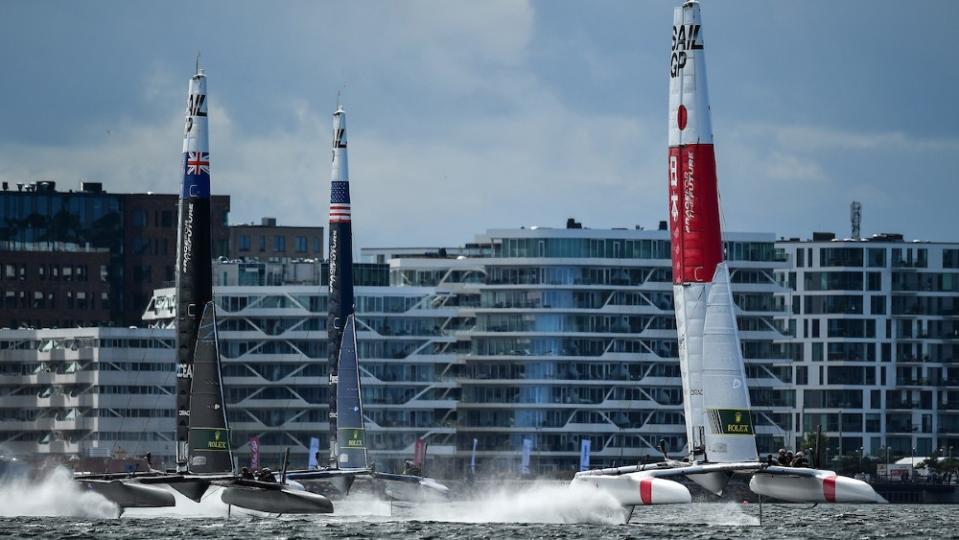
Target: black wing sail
{"x": 351, "y": 435}
{"x": 209, "y": 439}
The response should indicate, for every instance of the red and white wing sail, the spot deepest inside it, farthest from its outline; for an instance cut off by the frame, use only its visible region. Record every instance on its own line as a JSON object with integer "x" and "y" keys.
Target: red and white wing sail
{"x": 716, "y": 399}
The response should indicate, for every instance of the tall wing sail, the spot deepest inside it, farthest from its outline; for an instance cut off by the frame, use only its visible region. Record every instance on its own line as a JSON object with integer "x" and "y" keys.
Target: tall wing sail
{"x": 194, "y": 265}
{"x": 209, "y": 438}
{"x": 716, "y": 400}
{"x": 351, "y": 434}
{"x": 341, "y": 265}
{"x": 729, "y": 429}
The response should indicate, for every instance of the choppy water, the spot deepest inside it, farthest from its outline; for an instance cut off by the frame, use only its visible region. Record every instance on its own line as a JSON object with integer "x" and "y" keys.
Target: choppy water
{"x": 697, "y": 521}
{"x": 55, "y": 508}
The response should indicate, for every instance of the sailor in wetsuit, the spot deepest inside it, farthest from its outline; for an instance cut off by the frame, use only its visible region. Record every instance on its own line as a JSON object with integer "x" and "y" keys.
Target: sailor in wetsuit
{"x": 800, "y": 460}
{"x": 246, "y": 474}
{"x": 783, "y": 459}
{"x": 266, "y": 475}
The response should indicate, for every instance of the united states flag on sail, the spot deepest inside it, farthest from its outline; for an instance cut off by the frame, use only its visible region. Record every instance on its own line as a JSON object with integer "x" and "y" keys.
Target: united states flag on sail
{"x": 340, "y": 202}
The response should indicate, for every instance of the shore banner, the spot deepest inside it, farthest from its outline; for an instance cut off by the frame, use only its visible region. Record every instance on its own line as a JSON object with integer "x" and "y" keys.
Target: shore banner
{"x": 314, "y": 453}
{"x": 584, "y": 454}
{"x": 473, "y": 459}
{"x": 527, "y": 448}
{"x": 419, "y": 453}
{"x": 254, "y": 453}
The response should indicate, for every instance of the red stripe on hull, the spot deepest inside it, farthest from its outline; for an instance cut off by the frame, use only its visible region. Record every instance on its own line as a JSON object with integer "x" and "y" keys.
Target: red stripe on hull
{"x": 694, "y": 213}
{"x": 646, "y": 490}
{"x": 829, "y": 489}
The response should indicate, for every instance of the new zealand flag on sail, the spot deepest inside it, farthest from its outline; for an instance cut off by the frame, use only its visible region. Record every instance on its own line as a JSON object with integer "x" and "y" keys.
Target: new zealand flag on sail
{"x": 196, "y": 174}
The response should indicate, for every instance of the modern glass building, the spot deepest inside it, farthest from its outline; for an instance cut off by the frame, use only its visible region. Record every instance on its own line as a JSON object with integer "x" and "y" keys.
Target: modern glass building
{"x": 570, "y": 334}
{"x": 874, "y": 339}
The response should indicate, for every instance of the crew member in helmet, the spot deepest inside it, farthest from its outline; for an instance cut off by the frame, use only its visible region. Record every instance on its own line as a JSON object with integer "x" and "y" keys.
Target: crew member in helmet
{"x": 266, "y": 475}
{"x": 800, "y": 460}
{"x": 783, "y": 459}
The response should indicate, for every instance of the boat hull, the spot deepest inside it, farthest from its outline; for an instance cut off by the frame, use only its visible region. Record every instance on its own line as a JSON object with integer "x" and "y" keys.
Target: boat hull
{"x": 636, "y": 489}
{"x": 130, "y": 494}
{"x": 823, "y": 487}
{"x": 276, "y": 501}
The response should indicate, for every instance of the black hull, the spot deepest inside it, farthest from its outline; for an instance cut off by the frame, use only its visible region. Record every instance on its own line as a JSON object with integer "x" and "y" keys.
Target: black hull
{"x": 129, "y": 494}
{"x": 276, "y": 501}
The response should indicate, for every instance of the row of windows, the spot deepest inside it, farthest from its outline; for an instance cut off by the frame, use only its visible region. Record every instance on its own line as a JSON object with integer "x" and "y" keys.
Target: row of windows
{"x": 51, "y": 271}
{"x": 301, "y": 245}
{"x": 48, "y": 300}
{"x": 46, "y": 345}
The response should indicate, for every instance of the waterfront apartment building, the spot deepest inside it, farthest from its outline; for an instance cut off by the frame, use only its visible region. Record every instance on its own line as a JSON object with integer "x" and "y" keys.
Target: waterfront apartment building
{"x": 87, "y": 392}
{"x": 272, "y": 330}
{"x": 570, "y": 334}
{"x": 86, "y": 257}
{"x": 873, "y": 333}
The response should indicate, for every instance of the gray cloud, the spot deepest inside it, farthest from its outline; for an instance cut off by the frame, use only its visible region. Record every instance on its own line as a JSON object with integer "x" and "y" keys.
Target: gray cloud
{"x": 465, "y": 116}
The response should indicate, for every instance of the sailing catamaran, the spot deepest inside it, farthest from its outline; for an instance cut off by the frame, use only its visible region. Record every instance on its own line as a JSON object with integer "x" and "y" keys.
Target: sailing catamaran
{"x": 348, "y": 459}
{"x": 204, "y": 458}
{"x": 715, "y": 395}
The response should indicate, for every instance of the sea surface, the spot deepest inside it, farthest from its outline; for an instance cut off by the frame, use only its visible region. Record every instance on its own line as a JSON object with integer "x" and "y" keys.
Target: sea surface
{"x": 55, "y": 508}
{"x": 697, "y": 521}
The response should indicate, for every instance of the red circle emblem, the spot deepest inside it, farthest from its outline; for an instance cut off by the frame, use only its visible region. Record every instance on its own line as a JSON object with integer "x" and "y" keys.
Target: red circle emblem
{"x": 681, "y": 117}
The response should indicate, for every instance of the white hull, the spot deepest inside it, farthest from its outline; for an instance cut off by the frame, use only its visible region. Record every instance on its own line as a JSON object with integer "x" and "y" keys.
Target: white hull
{"x": 823, "y": 487}
{"x": 636, "y": 489}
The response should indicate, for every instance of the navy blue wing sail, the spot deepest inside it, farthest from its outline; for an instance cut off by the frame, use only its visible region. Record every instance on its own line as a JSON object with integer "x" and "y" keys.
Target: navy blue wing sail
{"x": 351, "y": 434}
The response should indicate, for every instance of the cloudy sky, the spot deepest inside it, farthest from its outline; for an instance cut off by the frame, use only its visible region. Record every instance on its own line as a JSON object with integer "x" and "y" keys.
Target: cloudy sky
{"x": 465, "y": 116}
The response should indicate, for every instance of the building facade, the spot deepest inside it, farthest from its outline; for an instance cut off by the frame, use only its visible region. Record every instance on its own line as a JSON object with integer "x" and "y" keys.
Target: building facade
{"x": 271, "y": 241}
{"x": 570, "y": 334}
{"x": 87, "y": 392}
{"x": 273, "y": 348}
{"x": 87, "y": 257}
{"x": 874, "y": 338}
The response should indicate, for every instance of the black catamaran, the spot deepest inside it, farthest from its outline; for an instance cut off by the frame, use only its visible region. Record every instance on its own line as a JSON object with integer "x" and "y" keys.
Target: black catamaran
{"x": 204, "y": 461}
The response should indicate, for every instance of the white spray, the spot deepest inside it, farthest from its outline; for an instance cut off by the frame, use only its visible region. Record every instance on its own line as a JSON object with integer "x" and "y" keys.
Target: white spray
{"x": 540, "y": 502}
{"x": 54, "y": 494}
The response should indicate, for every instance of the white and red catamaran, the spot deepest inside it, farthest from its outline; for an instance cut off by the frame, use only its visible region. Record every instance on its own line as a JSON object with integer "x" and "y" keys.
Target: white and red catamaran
{"x": 716, "y": 404}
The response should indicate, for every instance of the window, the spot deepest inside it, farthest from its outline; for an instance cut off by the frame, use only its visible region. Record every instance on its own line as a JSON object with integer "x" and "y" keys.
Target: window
{"x": 317, "y": 245}
{"x": 875, "y": 281}
{"x": 301, "y": 244}
{"x": 139, "y": 218}
{"x": 279, "y": 243}
{"x": 166, "y": 219}
{"x": 244, "y": 242}
{"x": 262, "y": 244}
{"x": 950, "y": 258}
{"x": 802, "y": 375}
{"x": 817, "y": 352}
{"x": 877, "y": 257}
{"x": 877, "y": 305}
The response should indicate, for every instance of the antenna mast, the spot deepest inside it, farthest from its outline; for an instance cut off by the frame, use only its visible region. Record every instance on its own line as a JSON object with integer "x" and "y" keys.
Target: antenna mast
{"x": 855, "y": 216}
